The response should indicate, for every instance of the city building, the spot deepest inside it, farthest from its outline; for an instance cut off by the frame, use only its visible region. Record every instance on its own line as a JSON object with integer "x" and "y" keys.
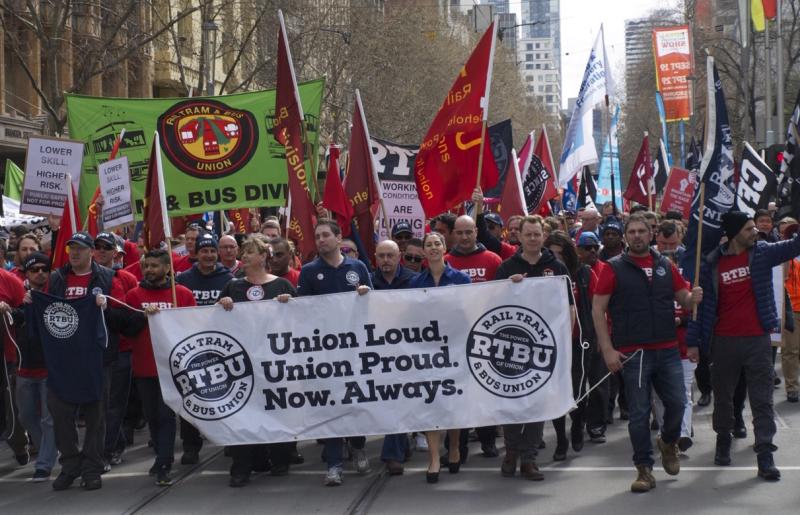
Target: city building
{"x": 539, "y": 51}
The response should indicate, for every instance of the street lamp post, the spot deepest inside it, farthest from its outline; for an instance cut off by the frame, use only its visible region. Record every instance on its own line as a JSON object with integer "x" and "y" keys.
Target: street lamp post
{"x": 210, "y": 51}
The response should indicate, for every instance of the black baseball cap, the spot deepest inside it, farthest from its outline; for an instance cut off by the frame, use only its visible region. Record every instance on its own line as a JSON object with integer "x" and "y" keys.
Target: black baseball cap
{"x": 401, "y": 227}
{"x": 494, "y": 218}
{"x": 206, "y": 239}
{"x": 82, "y": 238}
{"x": 37, "y": 258}
{"x": 107, "y": 238}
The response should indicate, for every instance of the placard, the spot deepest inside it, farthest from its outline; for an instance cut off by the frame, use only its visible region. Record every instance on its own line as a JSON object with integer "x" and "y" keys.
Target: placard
{"x": 47, "y": 163}
{"x": 115, "y": 185}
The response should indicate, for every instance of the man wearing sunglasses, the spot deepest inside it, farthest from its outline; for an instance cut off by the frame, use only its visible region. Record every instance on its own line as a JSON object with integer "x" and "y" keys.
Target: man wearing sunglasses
{"x": 413, "y": 256}
{"x": 402, "y": 234}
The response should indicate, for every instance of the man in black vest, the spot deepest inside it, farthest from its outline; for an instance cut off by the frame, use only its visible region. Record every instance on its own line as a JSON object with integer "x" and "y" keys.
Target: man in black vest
{"x": 637, "y": 290}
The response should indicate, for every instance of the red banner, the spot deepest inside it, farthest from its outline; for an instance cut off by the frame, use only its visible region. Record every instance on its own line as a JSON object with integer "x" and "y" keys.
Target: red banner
{"x": 446, "y": 168}
{"x": 673, "y": 55}
{"x": 240, "y": 219}
{"x": 334, "y": 199}
{"x": 641, "y": 177}
{"x": 360, "y": 182}
{"x": 288, "y": 131}
{"x": 153, "y": 232}
{"x": 678, "y": 192}
{"x": 542, "y": 151}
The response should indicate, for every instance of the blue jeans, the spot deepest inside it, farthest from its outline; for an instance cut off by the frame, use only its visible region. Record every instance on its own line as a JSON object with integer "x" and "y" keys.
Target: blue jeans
{"x": 647, "y": 370}
{"x": 394, "y": 447}
{"x": 334, "y": 448}
{"x": 35, "y": 418}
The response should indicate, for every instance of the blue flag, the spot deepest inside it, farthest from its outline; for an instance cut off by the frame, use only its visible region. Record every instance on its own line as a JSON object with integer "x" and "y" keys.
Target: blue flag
{"x": 570, "y": 198}
{"x": 609, "y": 161}
{"x": 716, "y": 173}
{"x": 73, "y": 336}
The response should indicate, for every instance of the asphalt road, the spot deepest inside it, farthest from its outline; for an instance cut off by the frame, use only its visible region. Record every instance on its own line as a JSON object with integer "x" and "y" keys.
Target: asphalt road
{"x": 595, "y": 481}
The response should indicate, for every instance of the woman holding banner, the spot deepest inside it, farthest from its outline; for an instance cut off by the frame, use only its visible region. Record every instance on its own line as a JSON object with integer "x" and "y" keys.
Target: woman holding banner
{"x": 439, "y": 273}
{"x": 257, "y": 284}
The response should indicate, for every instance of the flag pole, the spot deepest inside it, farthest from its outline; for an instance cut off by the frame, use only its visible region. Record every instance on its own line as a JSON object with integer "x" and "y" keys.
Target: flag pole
{"x": 71, "y": 204}
{"x": 165, "y": 216}
{"x": 485, "y": 102}
{"x": 698, "y": 247}
{"x": 611, "y": 157}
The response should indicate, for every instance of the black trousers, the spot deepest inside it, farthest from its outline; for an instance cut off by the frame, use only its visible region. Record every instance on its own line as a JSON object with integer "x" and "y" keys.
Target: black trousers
{"x": 191, "y": 438}
{"x": 75, "y": 462}
{"x": 246, "y": 458}
{"x": 160, "y": 420}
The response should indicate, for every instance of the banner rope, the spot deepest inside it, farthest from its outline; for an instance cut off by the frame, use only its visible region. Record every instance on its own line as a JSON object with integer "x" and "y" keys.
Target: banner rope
{"x": 8, "y": 321}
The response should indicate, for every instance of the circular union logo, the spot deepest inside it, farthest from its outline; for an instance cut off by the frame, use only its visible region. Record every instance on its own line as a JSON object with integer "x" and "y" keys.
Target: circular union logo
{"x": 207, "y": 139}
{"x": 511, "y": 351}
{"x": 352, "y": 278}
{"x": 61, "y": 320}
{"x": 255, "y": 292}
{"x": 213, "y": 374}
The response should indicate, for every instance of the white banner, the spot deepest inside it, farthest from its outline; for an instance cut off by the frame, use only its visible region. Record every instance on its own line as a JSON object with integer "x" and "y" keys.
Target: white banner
{"x": 115, "y": 184}
{"x": 395, "y": 166}
{"x": 382, "y": 363}
{"x": 47, "y": 163}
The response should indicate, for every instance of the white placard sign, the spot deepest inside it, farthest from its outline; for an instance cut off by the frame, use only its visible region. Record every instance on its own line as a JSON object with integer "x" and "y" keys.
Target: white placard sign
{"x": 115, "y": 185}
{"x": 395, "y": 165}
{"x": 391, "y": 361}
{"x": 47, "y": 163}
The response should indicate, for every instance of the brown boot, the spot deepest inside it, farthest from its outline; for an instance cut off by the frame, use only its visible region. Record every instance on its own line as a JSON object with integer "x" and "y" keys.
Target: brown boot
{"x": 530, "y": 472}
{"x": 644, "y": 481}
{"x": 509, "y": 466}
{"x": 670, "y": 458}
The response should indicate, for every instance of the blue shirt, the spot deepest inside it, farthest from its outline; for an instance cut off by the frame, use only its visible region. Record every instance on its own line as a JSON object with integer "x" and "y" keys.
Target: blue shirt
{"x": 450, "y": 276}
{"x": 319, "y": 278}
{"x": 402, "y": 278}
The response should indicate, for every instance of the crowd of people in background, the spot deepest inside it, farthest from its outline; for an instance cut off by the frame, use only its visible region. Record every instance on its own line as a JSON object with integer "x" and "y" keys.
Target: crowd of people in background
{"x": 639, "y": 349}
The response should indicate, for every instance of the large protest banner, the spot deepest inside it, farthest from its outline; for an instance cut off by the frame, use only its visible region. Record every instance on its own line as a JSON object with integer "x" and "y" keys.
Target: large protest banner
{"x": 219, "y": 152}
{"x": 672, "y": 51}
{"x": 395, "y": 166}
{"x": 385, "y": 362}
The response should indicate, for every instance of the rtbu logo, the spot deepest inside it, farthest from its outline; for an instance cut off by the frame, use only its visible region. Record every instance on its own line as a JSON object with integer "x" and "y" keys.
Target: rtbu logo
{"x": 511, "y": 351}
{"x": 213, "y": 374}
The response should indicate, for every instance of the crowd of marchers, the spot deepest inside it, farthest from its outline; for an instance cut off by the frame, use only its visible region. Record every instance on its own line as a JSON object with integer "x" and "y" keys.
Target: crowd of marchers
{"x": 644, "y": 338}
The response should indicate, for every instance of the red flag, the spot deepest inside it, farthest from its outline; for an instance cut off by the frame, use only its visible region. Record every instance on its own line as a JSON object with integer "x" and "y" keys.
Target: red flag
{"x": 288, "y": 131}
{"x": 70, "y": 221}
{"x": 335, "y": 198}
{"x": 91, "y": 215}
{"x": 641, "y": 180}
{"x": 512, "y": 201}
{"x": 360, "y": 184}
{"x": 156, "y": 227}
{"x": 542, "y": 151}
{"x": 770, "y": 9}
{"x": 446, "y": 168}
{"x": 240, "y": 219}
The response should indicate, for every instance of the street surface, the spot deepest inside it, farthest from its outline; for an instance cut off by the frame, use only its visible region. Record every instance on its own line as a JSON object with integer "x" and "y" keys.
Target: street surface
{"x": 596, "y": 481}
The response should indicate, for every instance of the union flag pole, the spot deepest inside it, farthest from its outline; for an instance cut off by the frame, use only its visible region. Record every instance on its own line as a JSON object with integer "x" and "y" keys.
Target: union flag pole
{"x": 485, "y": 106}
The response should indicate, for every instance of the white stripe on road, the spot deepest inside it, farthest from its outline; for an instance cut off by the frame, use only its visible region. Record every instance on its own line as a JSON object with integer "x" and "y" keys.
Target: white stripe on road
{"x": 123, "y": 475}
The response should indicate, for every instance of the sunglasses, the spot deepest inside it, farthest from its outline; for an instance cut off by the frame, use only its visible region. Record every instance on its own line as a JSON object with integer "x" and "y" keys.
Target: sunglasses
{"x": 590, "y": 247}
{"x": 412, "y": 259}
{"x": 39, "y": 269}
{"x": 102, "y": 246}
{"x": 402, "y": 236}
{"x": 347, "y": 250}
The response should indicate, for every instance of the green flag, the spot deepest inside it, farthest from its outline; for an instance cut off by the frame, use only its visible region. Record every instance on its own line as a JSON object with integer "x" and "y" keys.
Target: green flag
{"x": 217, "y": 152}
{"x": 14, "y": 179}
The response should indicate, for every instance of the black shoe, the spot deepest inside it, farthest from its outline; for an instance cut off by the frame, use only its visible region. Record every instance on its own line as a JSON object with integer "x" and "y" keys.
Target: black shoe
{"x": 704, "y": 400}
{"x": 740, "y": 430}
{"x": 432, "y": 477}
{"x": 792, "y": 397}
{"x": 560, "y": 454}
{"x": 162, "y": 478}
{"x": 623, "y": 414}
{"x": 154, "y": 469}
{"x": 453, "y": 468}
{"x": 654, "y": 425}
{"x": 239, "y": 481}
{"x": 776, "y": 381}
{"x": 63, "y": 481}
{"x": 684, "y": 442}
{"x": 489, "y": 450}
{"x": 542, "y": 445}
{"x": 23, "y": 458}
{"x": 296, "y": 458}
{"x": 576, "y": 437}
{"x": 92, "y": 483}
{"x": 279, "y": 470}
{"x": 190, "y": 457}
{"x": 766, "y": 467}
{"x": 597, "y": 435}
{"x": 722, "y": 453}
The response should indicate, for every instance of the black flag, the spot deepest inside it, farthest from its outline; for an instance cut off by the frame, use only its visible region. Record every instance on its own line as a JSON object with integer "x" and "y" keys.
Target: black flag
{"x": 789, "y": 188}
{"x": 587, "y": 191}
{"x": 756, "y": 182}
{"x": 660, "y": 168}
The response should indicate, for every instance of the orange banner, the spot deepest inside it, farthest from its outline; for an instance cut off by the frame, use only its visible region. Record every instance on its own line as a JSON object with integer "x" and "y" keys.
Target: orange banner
{"x": 672, "y": 50}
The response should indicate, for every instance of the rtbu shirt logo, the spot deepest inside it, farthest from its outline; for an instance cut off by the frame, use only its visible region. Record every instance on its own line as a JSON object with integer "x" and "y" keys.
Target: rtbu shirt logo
{"x": 511, "y": 351}
{"x": 213, "y": 374}
{"x": 736, "y": 275}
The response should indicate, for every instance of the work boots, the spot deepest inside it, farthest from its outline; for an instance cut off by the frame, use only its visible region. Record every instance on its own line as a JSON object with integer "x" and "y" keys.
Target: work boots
{"x": 644, "y": 481}
{"x": 530, "y": 471}
{"x": 670, "y": 458}
{"x": 767, "y": 468}
{"x": 722, "y": 455}
{"x": 509, "y": 466}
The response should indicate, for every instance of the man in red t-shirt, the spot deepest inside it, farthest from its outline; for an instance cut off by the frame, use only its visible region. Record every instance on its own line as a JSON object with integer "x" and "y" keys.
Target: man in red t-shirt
{"x": 638, "y": 290}
{"x": 735, "y": 321}
{"x": 468, "y": 255}
{"x": 153, "y": 294}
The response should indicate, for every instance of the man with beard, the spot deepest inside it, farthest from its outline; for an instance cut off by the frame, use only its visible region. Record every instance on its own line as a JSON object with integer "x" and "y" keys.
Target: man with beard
{"x": 638, "y": 290}
{"x": 413, "y": 256}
